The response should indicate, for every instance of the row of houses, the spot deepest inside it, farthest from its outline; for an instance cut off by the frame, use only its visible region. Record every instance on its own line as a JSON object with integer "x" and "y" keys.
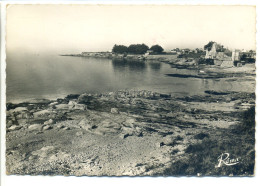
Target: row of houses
{"x": 223, "y": 57}
{"x": 186, "y": 51}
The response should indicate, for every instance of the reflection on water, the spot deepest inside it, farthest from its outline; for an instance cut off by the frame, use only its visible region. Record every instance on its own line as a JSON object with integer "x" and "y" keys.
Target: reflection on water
{"x": 156, "y": 66}
{"x": 56, "y": 76}
{"x": 124, "y": 65}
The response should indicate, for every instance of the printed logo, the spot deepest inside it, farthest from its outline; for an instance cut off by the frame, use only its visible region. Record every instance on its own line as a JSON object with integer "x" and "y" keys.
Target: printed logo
{"x": 224, "y": 159}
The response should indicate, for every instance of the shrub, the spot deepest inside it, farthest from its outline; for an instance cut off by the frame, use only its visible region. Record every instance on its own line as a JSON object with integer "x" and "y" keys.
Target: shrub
{"x": 119, "y": 49}
{"x": 137, "y": 49}
{"x": 156, "y": 49}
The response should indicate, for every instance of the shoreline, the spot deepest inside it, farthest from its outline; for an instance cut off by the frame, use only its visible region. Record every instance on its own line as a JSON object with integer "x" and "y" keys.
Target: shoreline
{"x": 188, "y": 62}
{"x": 133, "y": 57}
{"x": 244, "y": 73}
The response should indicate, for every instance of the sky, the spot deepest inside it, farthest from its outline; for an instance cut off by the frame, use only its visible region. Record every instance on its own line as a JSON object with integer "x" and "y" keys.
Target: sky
{"x": 63, "y": 29}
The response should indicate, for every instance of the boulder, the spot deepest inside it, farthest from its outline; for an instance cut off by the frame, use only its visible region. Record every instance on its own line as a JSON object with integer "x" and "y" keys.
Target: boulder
{"x": 35, "y": 127}
{"x": 66, "y": 128}
{"x": 19, "y": 109}
{"x": 41, "y": 113}
{"x": 159, "y": 144}
{"x": 53, "y": 103}
{"x": 114, "y": 111}
{"x": 128, "y": 130}
{"x": 47, "y": 127}
{"x": 14, "y": 127}
{"x": 72, "y": 104}
{"x": 24, "y": 115}
{"x": 130, "y": 122}
{"x": 22, "y": 122}
{"x": 80, "y": 133}
{"x": 80, "y": 107}
{"x": 11, "y": 122}
{"x": 138, "y": 132}
{"x": 62, "y": 106}
{"x": 49, "y": 122}
{"x": 168, "y": 140}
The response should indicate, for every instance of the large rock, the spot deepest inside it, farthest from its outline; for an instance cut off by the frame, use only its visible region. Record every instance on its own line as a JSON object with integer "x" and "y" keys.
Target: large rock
{"x": 22, "y": 122}
{"x": 19, "y": 109}
{"x": 14, "y": 127}
{"x": 11, "y": 122}
{"x": 49, "y": 122}
{"x": 35, "y": 127}
{"x": 47, "y": 127}
{"x": 53, "y": 103}
{"x": 168, "y": 140}
{"x": 80, "y": 107}
{"x": 79, "y": 133}
{"x": 72, "y": 102}
{"x": 130, "y": 122}
{"x": 62, "y": 106}
{"x": 24, "y": 115}
{"x": 71, "y": 105}
{"x": 41, "y": 113}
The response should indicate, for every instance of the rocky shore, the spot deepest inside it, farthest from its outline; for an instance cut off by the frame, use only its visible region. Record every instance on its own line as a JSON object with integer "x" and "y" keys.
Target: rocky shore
{"x": 129, "y": 132}
{"x": 130, "y": 57}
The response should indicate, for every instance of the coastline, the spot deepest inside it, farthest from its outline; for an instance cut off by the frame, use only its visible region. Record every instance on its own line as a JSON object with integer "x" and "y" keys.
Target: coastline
{"x": 133, "y": 57}
{"x": 190, "y": 61}
{"x": 136, "y": 132}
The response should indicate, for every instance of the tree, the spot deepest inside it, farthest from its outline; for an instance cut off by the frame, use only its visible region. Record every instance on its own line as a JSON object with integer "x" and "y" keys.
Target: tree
{"x": 138, "y": 49}
{"x": 209, "y": 45}
{"x": 119, "y": 49}
{"x": 156, "y": 48}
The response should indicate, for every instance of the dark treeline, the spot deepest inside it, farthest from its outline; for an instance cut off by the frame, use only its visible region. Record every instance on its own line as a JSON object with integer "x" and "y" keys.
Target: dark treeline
{"x": 136, "y": 49}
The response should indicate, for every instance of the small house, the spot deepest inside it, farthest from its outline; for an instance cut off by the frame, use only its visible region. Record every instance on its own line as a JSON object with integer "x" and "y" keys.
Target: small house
{"x": 217, "y": 53}
{"x": 148, "y": 52}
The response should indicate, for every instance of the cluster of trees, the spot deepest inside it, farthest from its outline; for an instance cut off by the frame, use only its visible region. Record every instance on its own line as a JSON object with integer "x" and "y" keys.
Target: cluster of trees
{"x": 219, "y": 48}
{"x": 209, "y": 45}
{"x": 120, "y": 49}
{"x": 156, "y": 49}
{"x": 136, "y": 49}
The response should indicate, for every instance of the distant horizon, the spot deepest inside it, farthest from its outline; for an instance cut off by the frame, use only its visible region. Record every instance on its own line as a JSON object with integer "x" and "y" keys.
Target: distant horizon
{"x": 110, "y": 50}
{"x": 59, "y": 29}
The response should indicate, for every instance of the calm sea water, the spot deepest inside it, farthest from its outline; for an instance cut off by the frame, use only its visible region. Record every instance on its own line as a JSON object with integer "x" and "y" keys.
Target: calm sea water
{"x": 36, "y": 76}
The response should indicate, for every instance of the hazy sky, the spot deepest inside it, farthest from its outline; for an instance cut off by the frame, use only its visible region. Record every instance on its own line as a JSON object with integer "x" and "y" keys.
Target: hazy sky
{"x": 76, "y": 28}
